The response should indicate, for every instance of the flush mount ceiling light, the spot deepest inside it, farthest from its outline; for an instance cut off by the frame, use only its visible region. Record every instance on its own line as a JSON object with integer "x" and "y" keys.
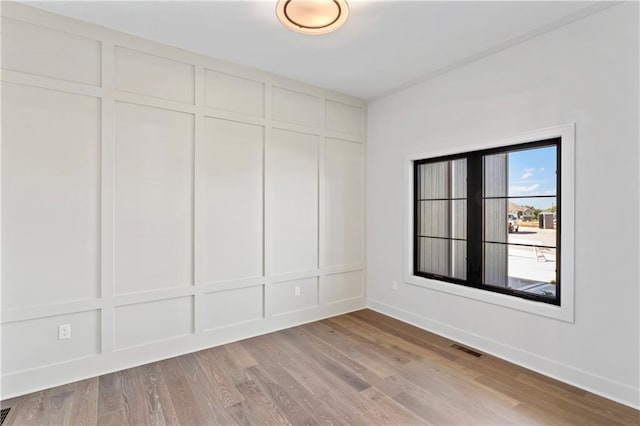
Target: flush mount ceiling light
{"x": 312, "y": 16}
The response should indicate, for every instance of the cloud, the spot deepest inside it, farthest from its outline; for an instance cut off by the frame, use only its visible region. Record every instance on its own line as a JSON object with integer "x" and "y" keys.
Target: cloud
{"x": 517, "y": 189}
{"x": 528, "y": 172}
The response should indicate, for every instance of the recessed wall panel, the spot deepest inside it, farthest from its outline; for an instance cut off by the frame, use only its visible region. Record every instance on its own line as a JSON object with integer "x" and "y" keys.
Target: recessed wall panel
{"x": 283, "y": 297}
{"x": 148, "y": 322}
{"x": 153, "y": 198}
{"x": 50, "y": 196}
{"x": 296, "y": 108}
{"x": 292, "y": 201}
{"x": 42, "y": 51}
{"x": 151, "y": 75}
{"x": 236, "y": 94}
{"x": 230, "y": 169}
{"x": 343, "y": 286}
{"x": 344, "y": 185}
{"x": 228, "y": 307}
{"x": 344, "y": 118}
{"x": 34, "y": 343}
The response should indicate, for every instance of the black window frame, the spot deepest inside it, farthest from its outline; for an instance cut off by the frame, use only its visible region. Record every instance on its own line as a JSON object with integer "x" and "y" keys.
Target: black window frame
{"x": 475, "y": 218}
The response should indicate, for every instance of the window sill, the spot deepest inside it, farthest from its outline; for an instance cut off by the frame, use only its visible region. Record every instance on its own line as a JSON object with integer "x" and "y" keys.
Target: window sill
{"x": 563, "y": 313}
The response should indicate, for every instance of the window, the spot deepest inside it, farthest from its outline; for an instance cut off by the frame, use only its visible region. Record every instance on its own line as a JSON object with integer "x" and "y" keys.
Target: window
{"x": 490, "y": 219}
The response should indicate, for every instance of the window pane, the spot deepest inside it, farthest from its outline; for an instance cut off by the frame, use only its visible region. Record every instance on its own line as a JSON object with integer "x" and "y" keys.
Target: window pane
{"x": 506, "y": 220}
{"x": 444, "y": 219}
{"x": 459, "y": 178}
{"x": 531, "y": 225}
{"x": 434, "y": 218}
{"x": 495, "y": 175}
{"x": 495, "y": 265}
{"x": 459, "y": 219}
{"x": 519, "y": 188}
{"x": 442, "y": 257}
{"x": 522, "y": 173}
{"x": 434, "y": 256}
{"x": 522, "y": 268}
{"x": 433, "y": 181}
{"x": 496, "y": 225}
{"x": 532, "y": 172}
{"x": 459, "y": 259}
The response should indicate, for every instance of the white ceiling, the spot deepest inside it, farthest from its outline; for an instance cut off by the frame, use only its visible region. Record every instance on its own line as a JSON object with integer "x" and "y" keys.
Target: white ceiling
{"x": 384, "y": 45}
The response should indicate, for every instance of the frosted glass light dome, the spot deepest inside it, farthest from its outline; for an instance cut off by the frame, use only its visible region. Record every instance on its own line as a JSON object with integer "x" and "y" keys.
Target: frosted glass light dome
{"x": 312, "y": 16}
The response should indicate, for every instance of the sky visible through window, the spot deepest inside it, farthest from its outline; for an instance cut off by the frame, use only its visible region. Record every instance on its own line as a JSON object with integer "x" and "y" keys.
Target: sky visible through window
{"x": 533, "y": 172}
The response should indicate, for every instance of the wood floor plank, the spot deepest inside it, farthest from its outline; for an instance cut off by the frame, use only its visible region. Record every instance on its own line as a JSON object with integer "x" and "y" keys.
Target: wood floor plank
{"x": 29, "y": 410}
{"x": 110, "y": 393}
{"x": 312, "y": 343}
{"x": 362, "y": 368}
{"x": 240, "y": 356}
{"x": 270, "y": 359}
{"x": 221, "y": 378}
{"x": 338, "y": 340}
{"x": 209, "y": 398}
{"x": 84, "y": 408}
{"x": 333, "y": 366}
{"x": 389, "y": 412}
{"x": 186, "y": 404}
{"x": 261, "y": 409}
{"x": 534, "y": 398}
{"x": 380, "y": 363}
{"x": 114, "y": 418}
{"x": 157, "y": 396}
{"x": 135, "y": 404}
{"x": 392, "y": 346}
{"x": 294, "y": 412}
{"x": 347, "y": 405}
{"x": 59, "y": 404}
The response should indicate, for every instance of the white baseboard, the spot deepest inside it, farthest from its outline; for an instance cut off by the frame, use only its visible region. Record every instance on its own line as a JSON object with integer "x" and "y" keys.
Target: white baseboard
{"x": 582, "y": 379}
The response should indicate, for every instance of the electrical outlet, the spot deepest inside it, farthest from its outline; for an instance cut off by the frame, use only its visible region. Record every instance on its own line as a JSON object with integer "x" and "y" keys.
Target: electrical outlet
{"x": 64, "y": 331}
{"x": 297, "y": 290}
{"x": 394, "y": 285}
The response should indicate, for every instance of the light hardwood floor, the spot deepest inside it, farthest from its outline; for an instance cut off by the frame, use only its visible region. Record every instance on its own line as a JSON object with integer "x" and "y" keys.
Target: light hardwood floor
{"x": 362, "y": 368}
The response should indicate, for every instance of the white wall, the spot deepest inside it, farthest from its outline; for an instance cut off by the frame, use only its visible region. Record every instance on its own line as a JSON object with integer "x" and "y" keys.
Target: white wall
{"x": 587, "y": 73}
{"x": 161, "y": 202}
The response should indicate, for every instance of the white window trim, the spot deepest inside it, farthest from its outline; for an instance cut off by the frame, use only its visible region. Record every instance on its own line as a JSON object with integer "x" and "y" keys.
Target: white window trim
{"x": 564, "y": 312}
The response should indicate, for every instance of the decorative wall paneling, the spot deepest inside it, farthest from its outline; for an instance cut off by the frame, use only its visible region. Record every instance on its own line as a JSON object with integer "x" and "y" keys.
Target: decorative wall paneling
{"x": 162, "y": 202}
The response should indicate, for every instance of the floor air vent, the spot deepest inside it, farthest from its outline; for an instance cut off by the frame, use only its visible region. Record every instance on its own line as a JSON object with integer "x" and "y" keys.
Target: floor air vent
{"x": 3, "y": 414}
{"x": 467, "y": 350}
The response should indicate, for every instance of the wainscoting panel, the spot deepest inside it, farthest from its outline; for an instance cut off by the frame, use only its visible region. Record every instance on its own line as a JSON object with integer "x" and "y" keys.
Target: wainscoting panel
{"x": 162, "y": 202}
{"x": 154, "y": 76}
{"x": 155, "y": 321}
{"x": 343, "y": 118}
{"x": 290, "y": 296}
{"x": 50, "y": 196}
{"x": 42, "y": 51}
{"x": 231, "y": 174}
{"x": 344, "y": 202}
{"x": 234, "y": 94}
{"x": 343, "y": 286}
{"x": 296, "y": 108}
{"x": 248, "y": 303}
{"x": 292, "y": 201}
{"x": 153, "y": 198}
{"x": 35, "y": 343}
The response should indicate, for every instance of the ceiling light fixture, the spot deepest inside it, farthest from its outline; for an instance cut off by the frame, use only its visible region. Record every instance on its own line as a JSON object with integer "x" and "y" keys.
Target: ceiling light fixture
{"x": 312, "y": 16}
